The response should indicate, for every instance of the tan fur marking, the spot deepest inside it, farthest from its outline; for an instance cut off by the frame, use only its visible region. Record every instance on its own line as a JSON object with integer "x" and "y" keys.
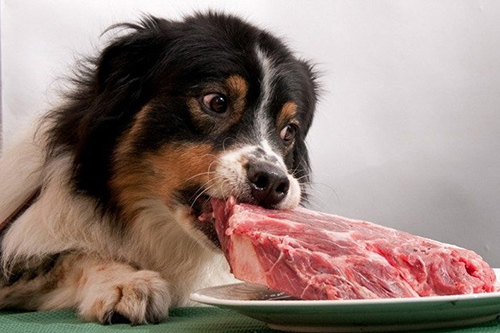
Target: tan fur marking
{"x": 181, "y": 164}
{"x": 131, "y": 176}
{"x": 129, "y": 137}
{"x": 286, "y": 115}
{"x": 237, "y": 85}
{"x": 238, "y": 89}
{"x": 159, "y": 175}
{"x": 132, "y": 184}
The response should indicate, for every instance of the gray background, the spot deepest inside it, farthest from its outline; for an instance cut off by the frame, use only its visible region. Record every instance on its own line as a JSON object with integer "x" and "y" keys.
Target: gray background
{"x": 407, "y": 133}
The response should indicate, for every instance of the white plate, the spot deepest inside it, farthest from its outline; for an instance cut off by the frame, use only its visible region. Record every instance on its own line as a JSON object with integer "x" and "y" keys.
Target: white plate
{"x": 374, "y": 315}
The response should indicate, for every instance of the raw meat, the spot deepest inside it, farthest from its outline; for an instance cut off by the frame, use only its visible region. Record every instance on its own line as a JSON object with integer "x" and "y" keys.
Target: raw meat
{"x": 317, "y": 256}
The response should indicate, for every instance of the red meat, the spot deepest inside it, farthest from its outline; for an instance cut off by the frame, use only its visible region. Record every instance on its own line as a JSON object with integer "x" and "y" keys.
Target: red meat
{"x": 317, "y": 256}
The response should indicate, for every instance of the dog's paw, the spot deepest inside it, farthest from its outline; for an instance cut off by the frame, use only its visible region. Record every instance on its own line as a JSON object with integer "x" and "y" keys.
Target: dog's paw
{"x": 141, "y": 297}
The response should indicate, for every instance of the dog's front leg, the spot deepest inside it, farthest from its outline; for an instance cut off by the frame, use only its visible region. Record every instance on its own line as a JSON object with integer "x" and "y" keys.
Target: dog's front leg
{"x": 100, "y": 290}
{"x": 106, "y": 291}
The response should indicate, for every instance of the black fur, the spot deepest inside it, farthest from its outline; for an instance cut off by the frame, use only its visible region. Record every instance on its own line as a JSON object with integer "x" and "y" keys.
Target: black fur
{"x": 161, "y": 63}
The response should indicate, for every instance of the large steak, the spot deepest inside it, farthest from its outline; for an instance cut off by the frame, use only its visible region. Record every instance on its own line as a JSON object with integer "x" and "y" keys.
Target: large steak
{"x": 316, "y": 256}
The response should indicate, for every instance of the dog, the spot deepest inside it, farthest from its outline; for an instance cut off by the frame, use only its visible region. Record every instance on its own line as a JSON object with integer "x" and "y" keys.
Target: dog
{"x": 104, "y": 203}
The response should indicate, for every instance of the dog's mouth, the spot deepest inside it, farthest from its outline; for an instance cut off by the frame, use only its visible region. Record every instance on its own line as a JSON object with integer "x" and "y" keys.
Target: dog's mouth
{"x": 202, "y": 211}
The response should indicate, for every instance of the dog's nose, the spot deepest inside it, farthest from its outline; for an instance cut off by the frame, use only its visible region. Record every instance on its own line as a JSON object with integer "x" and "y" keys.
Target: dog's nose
{"x": 269, "y": 184}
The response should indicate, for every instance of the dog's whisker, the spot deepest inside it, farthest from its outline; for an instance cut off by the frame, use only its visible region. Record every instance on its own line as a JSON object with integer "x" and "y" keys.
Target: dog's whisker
{"x": 224, "y": 144}
{"x": 209, "y": 172}
{"x": 329, "y": 188}
{"x": 204, "y": 190}
{"x": 313, "y": 192}
{"x": 205, "y": 173}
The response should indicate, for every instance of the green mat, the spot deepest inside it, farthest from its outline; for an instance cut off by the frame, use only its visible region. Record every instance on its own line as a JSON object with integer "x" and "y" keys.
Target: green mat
{"x": 196, "y": 320}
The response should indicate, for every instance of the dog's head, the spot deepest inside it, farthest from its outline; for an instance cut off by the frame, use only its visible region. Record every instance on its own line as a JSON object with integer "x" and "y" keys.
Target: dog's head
{"x": 175, "y": 113}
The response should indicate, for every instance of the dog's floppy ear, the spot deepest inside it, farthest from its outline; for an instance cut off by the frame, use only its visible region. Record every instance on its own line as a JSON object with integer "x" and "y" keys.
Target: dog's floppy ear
{"x": 301, "y": 165}
{"x": 128, "y": 62}
{"x": 310, "y": 91}
{"x": 107, "y": 93}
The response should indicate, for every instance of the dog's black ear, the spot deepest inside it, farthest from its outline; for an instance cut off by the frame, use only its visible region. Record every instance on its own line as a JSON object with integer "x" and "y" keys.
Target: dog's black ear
{"x": 107, "y": 93}
{"x": 310, "y": 91}
{"x": 301, "y": 164}
{"x": 127, "y": 64}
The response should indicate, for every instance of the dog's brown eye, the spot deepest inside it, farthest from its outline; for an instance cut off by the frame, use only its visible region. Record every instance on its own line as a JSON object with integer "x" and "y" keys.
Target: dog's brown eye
{"x": 288, "y": 133}
{"x": 215, "y": 102}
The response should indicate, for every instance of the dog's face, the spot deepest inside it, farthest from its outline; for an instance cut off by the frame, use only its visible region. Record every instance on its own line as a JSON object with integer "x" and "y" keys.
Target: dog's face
{"x": 210, "y": 107}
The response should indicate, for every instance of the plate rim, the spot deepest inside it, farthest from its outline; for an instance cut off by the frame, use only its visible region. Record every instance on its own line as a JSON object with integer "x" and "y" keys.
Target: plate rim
{"x": 198, "y": 296}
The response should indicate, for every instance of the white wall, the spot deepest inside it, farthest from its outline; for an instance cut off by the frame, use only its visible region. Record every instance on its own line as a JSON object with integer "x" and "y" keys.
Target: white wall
{"x": 407, "y": 133}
